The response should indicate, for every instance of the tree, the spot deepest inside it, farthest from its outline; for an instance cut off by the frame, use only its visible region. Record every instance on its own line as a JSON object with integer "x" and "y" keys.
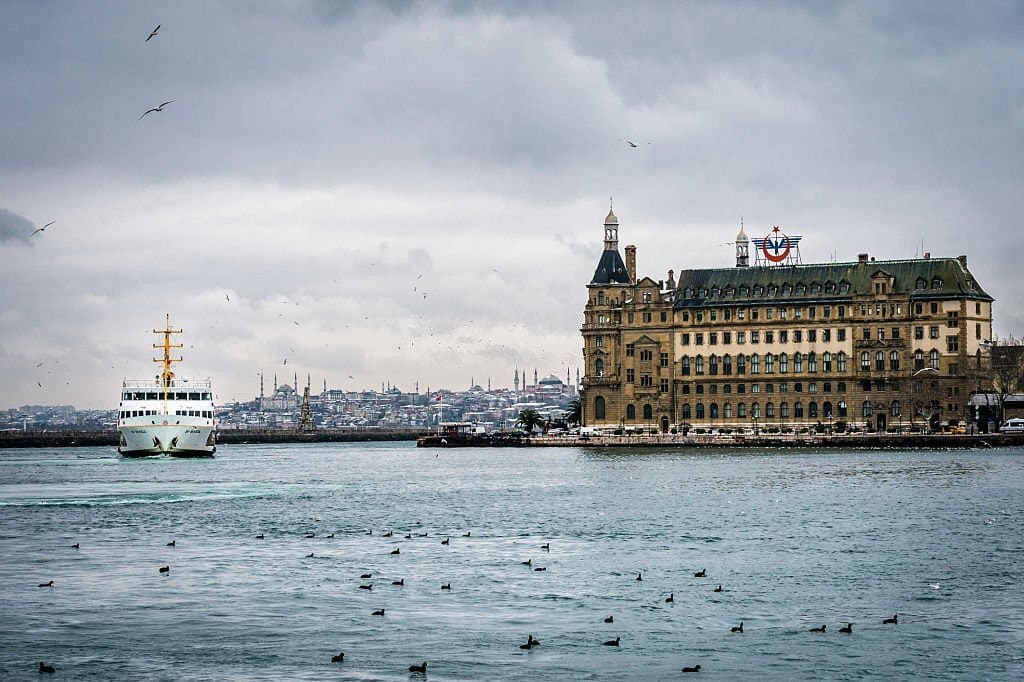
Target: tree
{"x": 575, "y": 415}
{"x": 1006, "y": 362}
{"x": 529, "y": 420}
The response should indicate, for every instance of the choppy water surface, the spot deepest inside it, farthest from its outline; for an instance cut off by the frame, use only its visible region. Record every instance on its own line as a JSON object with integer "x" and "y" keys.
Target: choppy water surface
{"x": 796, "y": 539}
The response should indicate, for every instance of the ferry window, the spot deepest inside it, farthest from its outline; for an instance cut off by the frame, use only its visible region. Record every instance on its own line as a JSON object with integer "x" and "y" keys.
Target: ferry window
{"x": 139, "y": 395}
{"x": 193, "y": 396}
{"x": 152, "y": 396}
{"x": 126, "y": 396}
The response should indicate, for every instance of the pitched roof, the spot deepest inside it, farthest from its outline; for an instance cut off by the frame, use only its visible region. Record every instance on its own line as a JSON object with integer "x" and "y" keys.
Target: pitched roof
{"x": 920, "y": 279}
{"x": 610, "y": 269}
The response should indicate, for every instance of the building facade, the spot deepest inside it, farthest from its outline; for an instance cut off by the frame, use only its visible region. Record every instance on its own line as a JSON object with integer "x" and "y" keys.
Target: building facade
{"x": 875, "y": 345}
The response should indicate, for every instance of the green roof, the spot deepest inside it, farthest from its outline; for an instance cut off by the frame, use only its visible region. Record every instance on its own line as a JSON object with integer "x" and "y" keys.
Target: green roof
{"x": 925, "y": 278}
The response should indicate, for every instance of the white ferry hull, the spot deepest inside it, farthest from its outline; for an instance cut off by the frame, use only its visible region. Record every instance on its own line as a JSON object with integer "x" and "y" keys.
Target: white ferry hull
{"x": 176, "y": 440}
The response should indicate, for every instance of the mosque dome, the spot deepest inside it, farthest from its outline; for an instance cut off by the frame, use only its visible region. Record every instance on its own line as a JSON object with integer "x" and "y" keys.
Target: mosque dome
{"x": 550, "y": 380}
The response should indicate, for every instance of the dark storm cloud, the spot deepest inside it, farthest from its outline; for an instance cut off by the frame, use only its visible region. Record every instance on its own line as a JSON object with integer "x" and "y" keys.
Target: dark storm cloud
{"x": 14, "y": 227}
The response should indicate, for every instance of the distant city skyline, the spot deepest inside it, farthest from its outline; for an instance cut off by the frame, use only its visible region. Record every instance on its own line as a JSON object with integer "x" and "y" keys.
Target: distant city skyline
{"x": 415, "y": 191}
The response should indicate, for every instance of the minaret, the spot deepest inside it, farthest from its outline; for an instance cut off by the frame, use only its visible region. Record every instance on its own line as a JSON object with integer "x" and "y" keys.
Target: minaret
{"x": 535, "y": 377}
{"x": 325, "y": 384}
{"x": 261, "y": 391}
{"x": 488, "y": 384}
{"x": 275, "y": 383}
{"x": 742, "y": 248}
{"x": 516, "y": 380}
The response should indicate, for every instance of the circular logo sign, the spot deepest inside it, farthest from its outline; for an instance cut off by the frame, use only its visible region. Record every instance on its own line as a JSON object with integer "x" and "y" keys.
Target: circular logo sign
{"x": 776, "y": 246}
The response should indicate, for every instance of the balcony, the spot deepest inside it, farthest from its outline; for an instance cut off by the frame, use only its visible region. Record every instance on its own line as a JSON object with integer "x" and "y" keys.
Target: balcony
{"x": 866, "y": 344}
{"x": 611, "y": 380}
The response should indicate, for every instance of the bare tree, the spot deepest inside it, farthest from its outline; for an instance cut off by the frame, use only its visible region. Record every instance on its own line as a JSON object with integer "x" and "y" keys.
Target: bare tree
{"x": 1006, "y": 369}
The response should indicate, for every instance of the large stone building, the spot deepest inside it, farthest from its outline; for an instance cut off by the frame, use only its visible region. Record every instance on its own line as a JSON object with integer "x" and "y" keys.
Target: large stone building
{"x": 869, "y": 344}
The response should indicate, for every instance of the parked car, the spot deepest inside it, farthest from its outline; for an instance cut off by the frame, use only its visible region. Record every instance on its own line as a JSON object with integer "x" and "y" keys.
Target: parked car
{"x": 1015, "y": 425}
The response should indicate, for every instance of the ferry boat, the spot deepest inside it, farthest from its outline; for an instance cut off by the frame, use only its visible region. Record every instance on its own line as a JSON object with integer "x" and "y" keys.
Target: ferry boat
{"x": 166, "y": 415}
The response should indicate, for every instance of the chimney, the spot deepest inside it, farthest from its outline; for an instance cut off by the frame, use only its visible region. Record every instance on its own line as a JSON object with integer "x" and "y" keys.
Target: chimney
{"x": 863, "y": 258}
{"x": 963, "y": 261}
{"x": 927, "y": 255}
{"x": 631, "y": 263}
{"x": 671, "y": 279}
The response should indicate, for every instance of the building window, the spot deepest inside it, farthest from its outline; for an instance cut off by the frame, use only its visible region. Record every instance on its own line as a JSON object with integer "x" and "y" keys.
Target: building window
{"x": 866, "y": 408}
{"x": 934, "y": 308}
{"x": 599, "y": 408}
{"x": 865, "y": 361}
{"x": 812, "y": 362}
{"x": 918, "y": 359}
{"x": 841, "y": 361}
{"x": 894, "y": 360}
{"x": 631, "y": 349}
{"x": 648, "y": 413}
{"x": 663, "y": 385}
{"x": 812, "y": 410}
{"x": 783, "y": 336}
{"x": 700, "y": 410}
{"x": 952, "y": 319}
{"x": 599, "y": 367}
{"x": 841, "y": 334}
{"x": 952, "y": 344}
{"x": 894, "y": 408}
{"x": 826, "y": 362}
{"x": 664, "y": 316}
{"x": 727, "y": 411}
{"x": 933, "y": 359}
{"x": 741, "y": 337}
{"x": 599, "y": 341}
{"x": 755, "y": 364}
{"x": 826, "y": 335}
{"x": 713, "y": 408}
{"x": 699, "y": 339}
{"x": 727, "y": 337}
{"x": 646, "y": 381}
{"x": 755, "y": 336}
{"x": 699, "y": 369}
{"x": 741, "y": 410}
{"x": 769, "y": 410}
{"x": 686, "y": 365}
{"x": 769, "y": 363}
{"x": 755, "y": 410}
{"x": 646, "y": 296}
{"x": 826, "y": 409}
{"x": 646, "y": 355}
{"x": 686, "y": 411}
{"x": 664, "y": 359}
{"x": 798, "y": 362}
{"x": 769, "y": 336}
{"x": 630, "y": 375}
{"x": 783, "y": 409}
{"x": 783, "y": 363}
{"x": 631, "y": 411}
{"x": 918, "y": 333}
{"x": 713, "y": 339}
{"x": 600, "y": 298}
{"x": 866, "y": 333}
{"x": 741, "y": 364}
{"x": 895, "y": 332}
{"x": 880, "y": 360}
{"x": 881, "y": 333}
{"x": 726, "y": 365}
{"x": 842, "y": 408}
{"x": 647, "y": 317}
{"x": 713, "y": 365}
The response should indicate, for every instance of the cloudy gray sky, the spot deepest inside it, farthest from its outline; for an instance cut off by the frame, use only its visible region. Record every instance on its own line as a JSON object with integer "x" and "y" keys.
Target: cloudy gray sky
{"x": 415, "y": 191}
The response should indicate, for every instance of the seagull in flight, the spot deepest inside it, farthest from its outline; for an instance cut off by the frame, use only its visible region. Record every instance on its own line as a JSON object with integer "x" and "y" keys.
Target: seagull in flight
{"x": 159, "y": 108}
{"x": 40, "y": 229}
{"x": 631, "y": 144}
{"x": 154, "y": 32}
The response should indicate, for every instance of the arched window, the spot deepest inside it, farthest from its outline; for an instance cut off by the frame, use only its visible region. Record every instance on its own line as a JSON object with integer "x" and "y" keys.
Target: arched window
{"x": 713, "y": 364}
{"x": 686, "y": 365}
{"x": 741, "y": 364}
{"x": 933, "y": 359}
{"x": 714, "y": 410}
{"x": 783, "y": 409}
{"x": 648, "y": 413}
{"x": 812, "y": 362}
{"x": 755, "y": 409}
{"x": 919, "y": 359}
{"x": 894, "y": 408}
{"x": 599, "y": 367}
{"x": 755, "y": 364}
{"x": 841, "y": 362}
{"x": 866, "y": 409}
{"x": 842, "y": 408}
{"x": 865, "y": 361}
{"x": 741, "y": 410}
{"x": 727, "y": 411}
{"x": 726, "y": 365}
{"x": 769, "y": 410}
{"x": 826, "y": 362}
{"x": 798, "y": 362}
{"x": 686, "y": 411}
{"x": 880, "y": 360}
{"x": 812, "y": 410}
{"x": 699, "y": 369}
{"x": 631, "y": 411}
{"x": 826, "y": 408}
{"x": 783, "y": 363}
{"x": 700, "y": 410}
{"x": 599, "y": 407}
{"x": 798, "y": 410}
{"x": 769, "y": 363}
{"x": 894, "y": 360}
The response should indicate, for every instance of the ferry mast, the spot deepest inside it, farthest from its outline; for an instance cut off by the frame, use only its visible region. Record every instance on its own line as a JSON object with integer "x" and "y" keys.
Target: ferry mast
{"x": 167, "y": 375}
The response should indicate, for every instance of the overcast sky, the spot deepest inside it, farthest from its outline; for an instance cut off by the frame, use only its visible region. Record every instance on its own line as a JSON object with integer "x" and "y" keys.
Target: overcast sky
{"x": 400, "y": 192}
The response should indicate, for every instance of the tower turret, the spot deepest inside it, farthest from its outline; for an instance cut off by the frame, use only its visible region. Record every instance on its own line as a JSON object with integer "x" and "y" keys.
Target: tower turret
{"x": 610, "y": 268}
{"x": 742, "y": 248}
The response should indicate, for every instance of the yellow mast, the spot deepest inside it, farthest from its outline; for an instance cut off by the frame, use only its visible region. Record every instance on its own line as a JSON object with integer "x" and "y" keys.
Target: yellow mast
{"x": 166, "y": 376}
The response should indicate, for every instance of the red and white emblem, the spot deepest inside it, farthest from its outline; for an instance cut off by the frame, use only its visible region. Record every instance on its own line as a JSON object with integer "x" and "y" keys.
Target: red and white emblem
{"x": 776, "y": 246}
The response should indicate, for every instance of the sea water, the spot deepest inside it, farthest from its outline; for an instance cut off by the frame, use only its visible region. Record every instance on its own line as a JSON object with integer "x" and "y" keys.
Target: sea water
{"x": 796, "y": 538}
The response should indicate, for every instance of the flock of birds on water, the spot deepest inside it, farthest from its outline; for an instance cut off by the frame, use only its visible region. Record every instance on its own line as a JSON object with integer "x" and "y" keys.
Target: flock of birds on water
{"x": 531, "y": 641}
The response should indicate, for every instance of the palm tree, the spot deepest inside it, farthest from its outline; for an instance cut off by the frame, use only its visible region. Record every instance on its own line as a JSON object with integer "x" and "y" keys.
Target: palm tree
{"x": 575, "y": 415}
{"x": 529, "y": 420}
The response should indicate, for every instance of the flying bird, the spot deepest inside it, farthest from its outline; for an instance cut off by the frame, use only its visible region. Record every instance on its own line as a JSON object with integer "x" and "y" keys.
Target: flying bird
{"x": 159, "y": 108}
{"x": 40, "y": 229}
{"x": 154, "y": 32}
{"x": 631, "y": 144}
